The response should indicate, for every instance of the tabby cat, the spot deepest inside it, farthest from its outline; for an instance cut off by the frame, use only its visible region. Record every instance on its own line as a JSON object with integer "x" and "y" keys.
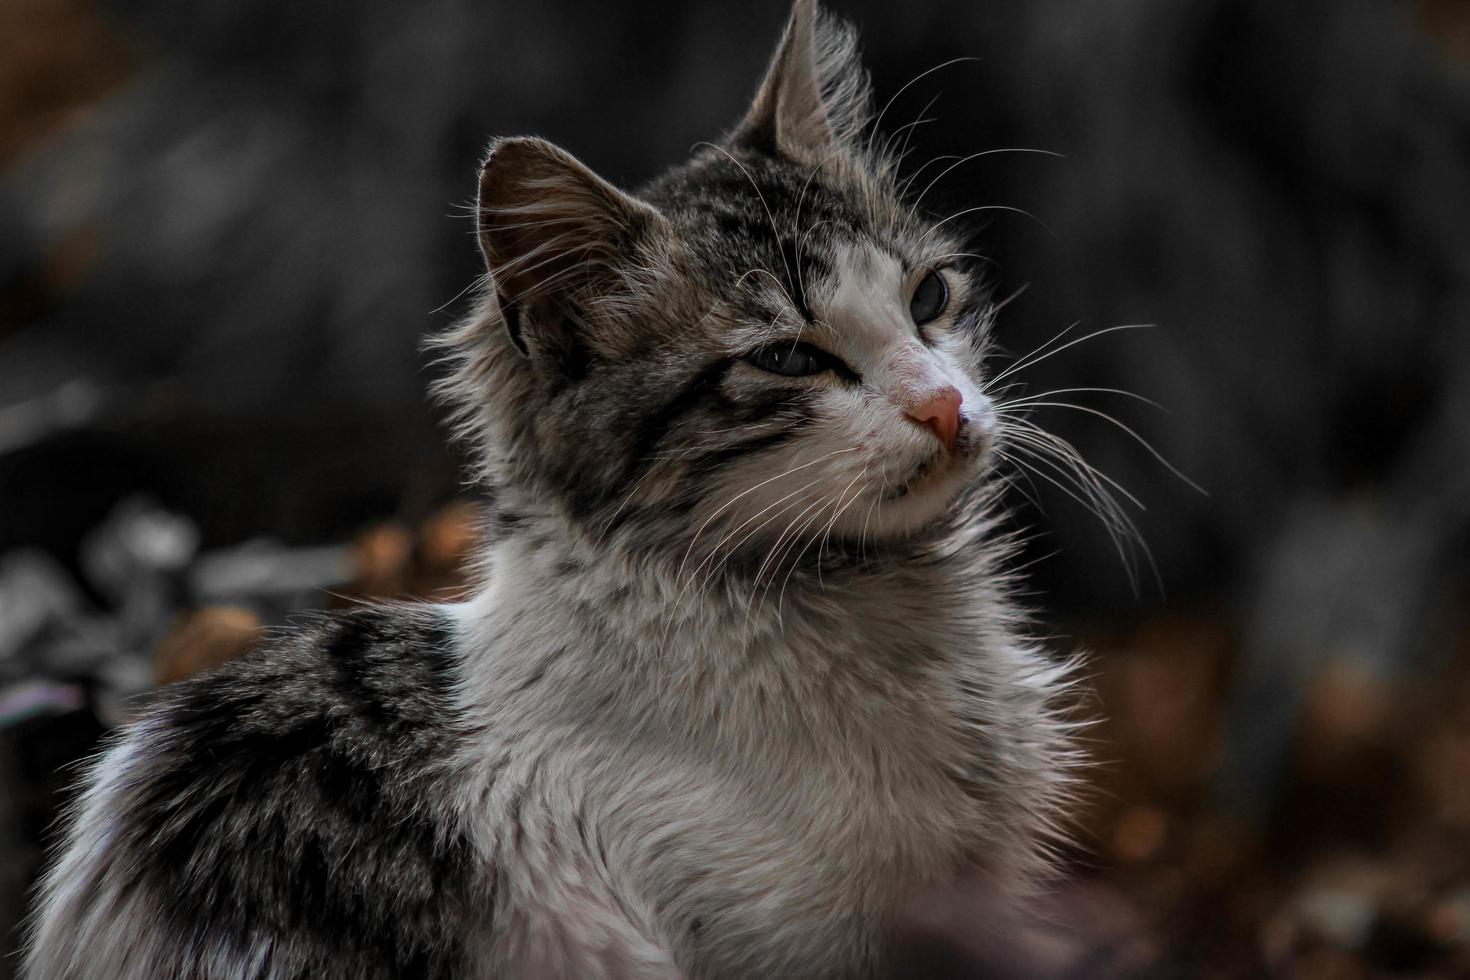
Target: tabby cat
{"x": 742, "y": 678}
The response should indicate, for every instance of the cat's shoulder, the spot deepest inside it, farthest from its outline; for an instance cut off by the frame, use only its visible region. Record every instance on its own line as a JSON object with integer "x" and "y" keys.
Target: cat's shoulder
{"x": 372, "y": 672}
{"x": 343, "y": 716}
{"x": 303, "y": 793}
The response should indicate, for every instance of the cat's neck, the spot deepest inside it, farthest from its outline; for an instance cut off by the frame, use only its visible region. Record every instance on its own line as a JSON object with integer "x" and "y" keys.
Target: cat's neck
{"x": 550, "y": 585}
{"x": 604, "y": 645}
{"x": 691, "y": 572}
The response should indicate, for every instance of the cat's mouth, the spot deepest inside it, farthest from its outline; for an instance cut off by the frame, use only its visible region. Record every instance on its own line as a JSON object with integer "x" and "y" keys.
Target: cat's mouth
{"x": 923, "y": 477}
{"x": 943, "y": 467}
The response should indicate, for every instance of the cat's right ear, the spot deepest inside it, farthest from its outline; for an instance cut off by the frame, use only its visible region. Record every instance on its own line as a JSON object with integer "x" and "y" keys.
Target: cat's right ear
{"x": 549, "y": 227}
{"x": 815, "y": 97}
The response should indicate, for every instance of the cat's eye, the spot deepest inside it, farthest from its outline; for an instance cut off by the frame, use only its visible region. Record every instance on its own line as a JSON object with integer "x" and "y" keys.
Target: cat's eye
{"x": 793, "y": 360}
{"x": 930, "y": 298}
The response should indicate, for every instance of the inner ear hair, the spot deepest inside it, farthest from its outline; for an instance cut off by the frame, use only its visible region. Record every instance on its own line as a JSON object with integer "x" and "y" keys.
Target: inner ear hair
{"x": 815, "y": 97}
{"x": 551, "y": 333}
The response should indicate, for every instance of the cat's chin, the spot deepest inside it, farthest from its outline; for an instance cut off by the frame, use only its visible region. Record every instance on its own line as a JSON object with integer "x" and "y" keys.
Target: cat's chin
{"x": 929, "y": 495}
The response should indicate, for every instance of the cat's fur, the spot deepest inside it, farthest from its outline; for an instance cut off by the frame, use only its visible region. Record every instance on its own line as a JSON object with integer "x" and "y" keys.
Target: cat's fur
{"x": 743, "y": 678}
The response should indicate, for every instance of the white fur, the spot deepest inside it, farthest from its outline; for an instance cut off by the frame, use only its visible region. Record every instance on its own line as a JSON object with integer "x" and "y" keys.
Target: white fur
{"x": 789, "y": 777}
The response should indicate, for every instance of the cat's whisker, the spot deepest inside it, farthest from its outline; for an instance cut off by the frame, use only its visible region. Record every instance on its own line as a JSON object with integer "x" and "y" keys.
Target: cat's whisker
{"x": 782, "y": 546}
{"x": 628, "y": 497}
{"x": 476, "y": 284}
{"x": 863, "y": 536}
{"x": 1015, "y": 294}
{"x": 905, "y": 149}
{"x": 749, "y": 490}
{"x": 877, "y": 123}
{"x": 1023, "y": 360}
{"x": 1011, "y": 484}
{"x": 728, "y": 504}
{"x": 752, "y": 584}
{"x": 1032, "y": 399}
{"x": 788, "y": 502}
{"x": 1079, "y": 473}
{"x": 715, "y": 550}
{"x": 996, "y": 395}
{"x": 856, "y": 481}
{"x": 1035, "y": 359}
{"x": 758, "y": 269}
{"x": 771, "y": 327}
{"x": 806, "y": 186}
{"x": 1132, "y": 433}
{"x": 1117, "y": 532}
{"x": 754, "y": 581}
{"x": 964, "y": 255}
{"x": 1048, "y": 443}
{"x": 985, "y": 207}
{"x": 795, "y": 560}
{"x": 976, "y": 156}
{"x": 1054, "y": 451}
{"x": 827, "y": 535}
{"x": 717, "y": 558}
{"x": 774, "y": 421}
{"x": 790, "y": 555}
{"x": 908, "y": 182}
{"x": 908, "y": 131}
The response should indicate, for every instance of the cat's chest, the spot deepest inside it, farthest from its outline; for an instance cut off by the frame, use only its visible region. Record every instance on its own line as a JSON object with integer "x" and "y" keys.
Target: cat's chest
{"x": 771, "y": 796}
{"x": 849, "y": 749}
{"x": 810, "y": 844}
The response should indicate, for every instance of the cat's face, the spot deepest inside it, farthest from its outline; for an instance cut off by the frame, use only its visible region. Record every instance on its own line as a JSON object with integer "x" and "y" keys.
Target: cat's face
{"x": 765, "y": 349}
{"x": 840, "y": 340}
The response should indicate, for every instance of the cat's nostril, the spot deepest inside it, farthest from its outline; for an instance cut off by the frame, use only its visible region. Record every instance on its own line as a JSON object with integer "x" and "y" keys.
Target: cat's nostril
{"x": 940, "y": 412}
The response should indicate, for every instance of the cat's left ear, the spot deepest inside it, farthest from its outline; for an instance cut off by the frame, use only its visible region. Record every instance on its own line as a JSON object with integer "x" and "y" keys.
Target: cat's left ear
{"x": 815, "y": 98}
{"x": 550, "y": 229}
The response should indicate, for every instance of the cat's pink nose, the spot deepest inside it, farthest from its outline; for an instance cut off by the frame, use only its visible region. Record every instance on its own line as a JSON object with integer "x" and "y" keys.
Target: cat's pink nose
{"x": 941, "y": 413}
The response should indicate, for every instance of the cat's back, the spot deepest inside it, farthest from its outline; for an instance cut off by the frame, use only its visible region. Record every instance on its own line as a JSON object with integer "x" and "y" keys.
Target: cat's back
{"x": 286, "y": 815}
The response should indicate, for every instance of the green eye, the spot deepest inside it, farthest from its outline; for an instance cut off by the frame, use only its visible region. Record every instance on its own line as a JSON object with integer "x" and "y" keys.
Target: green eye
{"x": 795, "y": 360}
{"x": 930, "y": 299}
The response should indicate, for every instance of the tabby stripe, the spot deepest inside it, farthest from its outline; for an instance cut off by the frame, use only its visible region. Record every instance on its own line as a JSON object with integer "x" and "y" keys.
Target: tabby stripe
{"x": 798, "y": 270}
{"x": 701, "y": 467}
{"x": 708, "y": 463}
{"x": 656, "y": 425}
{"x": 769, "y": 404}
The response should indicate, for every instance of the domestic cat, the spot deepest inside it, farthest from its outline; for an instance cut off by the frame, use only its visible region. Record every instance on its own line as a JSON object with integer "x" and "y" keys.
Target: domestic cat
{"x": 742, "y": 678}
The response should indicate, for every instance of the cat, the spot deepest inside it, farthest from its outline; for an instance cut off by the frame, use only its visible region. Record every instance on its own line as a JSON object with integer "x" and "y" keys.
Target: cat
{"x": 742, "y": 678}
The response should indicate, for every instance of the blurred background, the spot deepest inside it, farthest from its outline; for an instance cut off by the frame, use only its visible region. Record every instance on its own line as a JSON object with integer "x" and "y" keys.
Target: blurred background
{"x": 226, "y": 226}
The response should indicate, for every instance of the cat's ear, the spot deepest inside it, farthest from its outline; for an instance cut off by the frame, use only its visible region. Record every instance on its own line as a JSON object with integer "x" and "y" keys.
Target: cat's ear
{"x": 549, "y": 227}
{"x": 815, "y": 96}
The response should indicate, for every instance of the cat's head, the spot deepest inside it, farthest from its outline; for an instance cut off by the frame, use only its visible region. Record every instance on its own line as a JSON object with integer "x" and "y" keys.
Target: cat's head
{"x": 767, "y": 344}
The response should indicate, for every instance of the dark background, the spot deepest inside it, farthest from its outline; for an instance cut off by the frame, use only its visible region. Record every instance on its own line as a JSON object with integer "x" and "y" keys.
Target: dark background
{"x": 225, "y": 228}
